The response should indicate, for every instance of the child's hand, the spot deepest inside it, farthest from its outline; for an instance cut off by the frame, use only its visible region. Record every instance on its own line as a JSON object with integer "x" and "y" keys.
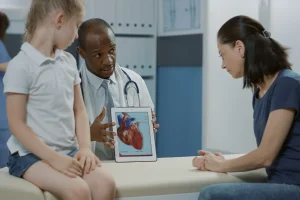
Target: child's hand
{"x": 67, "y": 165}
{"x": 87, "y": 159}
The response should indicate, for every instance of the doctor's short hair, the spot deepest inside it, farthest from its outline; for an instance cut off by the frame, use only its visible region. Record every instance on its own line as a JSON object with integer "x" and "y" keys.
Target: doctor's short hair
{"x": 263, "y": 54}
{"x": 94, "y": 25}
{"x": 40, "y": 9}
{"x": 4, "y": 24}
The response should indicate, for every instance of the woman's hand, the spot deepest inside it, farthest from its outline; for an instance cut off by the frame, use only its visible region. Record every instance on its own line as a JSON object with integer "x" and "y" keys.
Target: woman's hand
{"x": 199, "y": 161}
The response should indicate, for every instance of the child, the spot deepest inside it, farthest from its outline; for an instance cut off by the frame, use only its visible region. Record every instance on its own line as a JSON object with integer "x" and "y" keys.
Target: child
{"x": 50, "y": 146}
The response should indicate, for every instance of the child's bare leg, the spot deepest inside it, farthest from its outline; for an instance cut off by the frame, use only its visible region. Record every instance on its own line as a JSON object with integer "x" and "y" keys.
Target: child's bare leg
{"x": 101, "y": 184}
{"x": 45, "y": 177}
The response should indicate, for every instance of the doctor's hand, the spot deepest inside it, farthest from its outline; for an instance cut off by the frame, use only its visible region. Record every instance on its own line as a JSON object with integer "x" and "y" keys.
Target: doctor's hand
{"x": 155, "y": 125}
{"x": 99, "y": 132}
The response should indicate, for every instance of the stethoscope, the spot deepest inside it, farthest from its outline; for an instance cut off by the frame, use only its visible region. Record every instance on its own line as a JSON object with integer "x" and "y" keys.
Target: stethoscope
{"x": 126, "y": 87}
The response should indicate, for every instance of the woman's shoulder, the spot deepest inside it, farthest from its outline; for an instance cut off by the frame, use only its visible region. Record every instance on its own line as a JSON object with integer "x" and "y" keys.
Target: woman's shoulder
{"x": 287, "y": 83}
{"x": 288, "y": 77}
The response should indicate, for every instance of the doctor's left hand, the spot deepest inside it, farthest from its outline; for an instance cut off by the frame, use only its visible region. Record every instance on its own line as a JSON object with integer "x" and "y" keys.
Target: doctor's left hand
{"x": 155, "y": 125}
{"x": 87, "y": 159}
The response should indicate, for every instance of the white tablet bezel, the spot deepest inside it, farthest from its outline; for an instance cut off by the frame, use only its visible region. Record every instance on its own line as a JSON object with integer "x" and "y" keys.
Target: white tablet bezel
{"x": 134, "y": 158}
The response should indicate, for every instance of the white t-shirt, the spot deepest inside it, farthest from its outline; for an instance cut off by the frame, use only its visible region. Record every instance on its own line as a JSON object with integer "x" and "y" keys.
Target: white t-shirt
{"x": 49, "y": 84}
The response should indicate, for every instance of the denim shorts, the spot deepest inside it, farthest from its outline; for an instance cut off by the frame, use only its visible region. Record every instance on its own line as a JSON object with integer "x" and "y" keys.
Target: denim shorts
{"x": 18, "y": 165}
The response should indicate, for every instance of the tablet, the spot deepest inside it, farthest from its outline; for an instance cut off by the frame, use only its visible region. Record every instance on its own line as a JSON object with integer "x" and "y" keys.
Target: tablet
{"x": 135, "y": 136}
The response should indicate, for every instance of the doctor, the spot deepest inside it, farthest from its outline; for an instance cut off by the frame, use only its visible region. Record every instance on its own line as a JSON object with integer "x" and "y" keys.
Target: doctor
{"x": 103, "y": 84}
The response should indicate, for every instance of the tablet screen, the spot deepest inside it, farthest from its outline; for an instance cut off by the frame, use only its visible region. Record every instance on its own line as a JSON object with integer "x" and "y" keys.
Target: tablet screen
{"x": 133, "y": 134}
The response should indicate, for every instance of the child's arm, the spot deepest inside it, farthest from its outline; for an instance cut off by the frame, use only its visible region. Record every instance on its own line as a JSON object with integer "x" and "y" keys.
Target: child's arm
{"x": 16, "y": 113}
{"x": 84, "y": 155}
{"x": 81, "y": 120}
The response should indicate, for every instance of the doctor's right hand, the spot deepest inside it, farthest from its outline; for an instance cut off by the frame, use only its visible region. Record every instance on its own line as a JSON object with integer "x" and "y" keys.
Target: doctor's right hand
{"x": 99, "y": 132}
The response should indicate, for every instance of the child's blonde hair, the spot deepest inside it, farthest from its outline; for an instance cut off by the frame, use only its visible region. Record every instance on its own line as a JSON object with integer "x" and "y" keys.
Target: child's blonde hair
{"x": 40, "y": 9}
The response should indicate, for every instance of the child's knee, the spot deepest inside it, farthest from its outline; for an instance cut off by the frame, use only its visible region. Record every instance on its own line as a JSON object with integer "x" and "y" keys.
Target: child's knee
{"x": 77, "y": 191}
{"x": 111, "y": 183}
{"x": 108, "y": 180}
{"x": 100, "y": 178}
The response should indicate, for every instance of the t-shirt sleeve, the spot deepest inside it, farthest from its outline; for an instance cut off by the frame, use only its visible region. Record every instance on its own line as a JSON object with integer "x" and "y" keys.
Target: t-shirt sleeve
{"x": 73, "y": 63}
{"x": 77, "y": 79}
{"x": 286, "y": 95}
{"x": 16, "y": 78}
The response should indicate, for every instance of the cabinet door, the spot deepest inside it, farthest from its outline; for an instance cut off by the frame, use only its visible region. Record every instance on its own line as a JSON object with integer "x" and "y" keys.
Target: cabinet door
{"x": 179, "y": 17}
{"x": 135, "y": 17}
{"x": 105, "y": 9}
{"x": 137, "y": 54}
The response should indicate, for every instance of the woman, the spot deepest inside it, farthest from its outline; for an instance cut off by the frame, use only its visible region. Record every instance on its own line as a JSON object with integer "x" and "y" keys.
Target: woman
{"x": 248, "y": 51}
{"x": 4, "y": 59}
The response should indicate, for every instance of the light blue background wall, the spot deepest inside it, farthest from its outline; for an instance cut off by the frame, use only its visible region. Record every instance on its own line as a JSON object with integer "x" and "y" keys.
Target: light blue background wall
{"x": 179, "y": 108}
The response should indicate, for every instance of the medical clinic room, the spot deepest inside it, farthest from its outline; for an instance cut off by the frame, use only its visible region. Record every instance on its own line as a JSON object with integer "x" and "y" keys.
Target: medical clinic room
{"x": 149, "y": 100}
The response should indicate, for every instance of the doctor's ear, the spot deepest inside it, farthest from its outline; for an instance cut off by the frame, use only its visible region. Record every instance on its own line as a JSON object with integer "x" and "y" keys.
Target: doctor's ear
{"x": 81, "y": 52}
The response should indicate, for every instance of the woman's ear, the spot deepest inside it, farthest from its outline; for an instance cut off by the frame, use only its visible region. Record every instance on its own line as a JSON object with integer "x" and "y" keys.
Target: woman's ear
{"x": 239, "y": 45}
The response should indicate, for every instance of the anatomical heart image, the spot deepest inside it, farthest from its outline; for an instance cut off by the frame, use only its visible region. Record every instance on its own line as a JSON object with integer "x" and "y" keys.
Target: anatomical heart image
{"x": 128, "y": 131}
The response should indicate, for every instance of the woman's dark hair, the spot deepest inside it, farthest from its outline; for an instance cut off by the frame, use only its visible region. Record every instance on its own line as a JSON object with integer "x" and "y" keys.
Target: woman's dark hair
{"x": 4, "y": 24}
{"x": 263, "y": 55}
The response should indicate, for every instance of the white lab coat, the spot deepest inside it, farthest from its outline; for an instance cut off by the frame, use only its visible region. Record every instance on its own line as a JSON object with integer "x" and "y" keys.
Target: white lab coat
{"x": 118, "y": 97}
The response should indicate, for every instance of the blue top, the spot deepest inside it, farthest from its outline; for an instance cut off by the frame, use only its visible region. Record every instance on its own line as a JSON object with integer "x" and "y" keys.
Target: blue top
{"x": 284, "y": 93}
{"x": 4, "y": 131}
{"x": 4, "y": 57}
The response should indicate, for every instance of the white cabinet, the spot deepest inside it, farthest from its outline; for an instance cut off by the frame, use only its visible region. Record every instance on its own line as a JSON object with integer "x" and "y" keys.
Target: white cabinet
{"x": 137, "y": 54}
{"x": 105, "y": 9}
{"x": 127, "y": 16}
{"x": 180, "y": 17}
